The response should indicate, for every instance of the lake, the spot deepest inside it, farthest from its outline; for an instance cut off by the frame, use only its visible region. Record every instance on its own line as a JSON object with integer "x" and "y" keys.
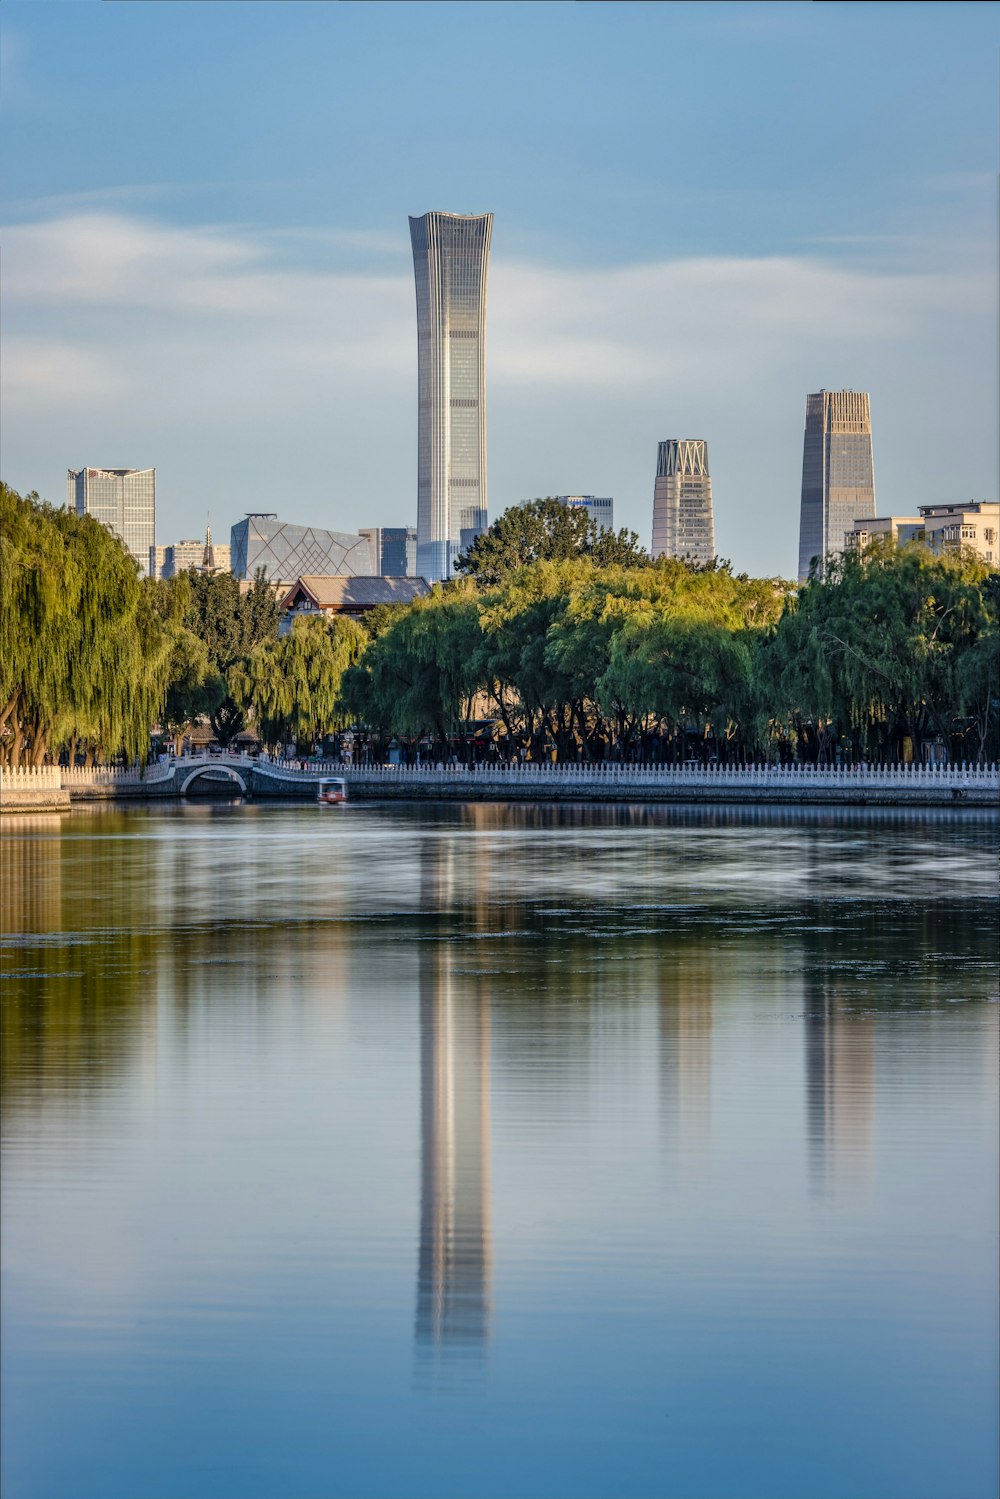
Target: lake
{"x": 500, "y": 1150}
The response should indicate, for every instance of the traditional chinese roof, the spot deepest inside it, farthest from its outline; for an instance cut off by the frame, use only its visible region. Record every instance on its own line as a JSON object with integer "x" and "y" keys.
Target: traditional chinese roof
{"x": 348, "y": 595}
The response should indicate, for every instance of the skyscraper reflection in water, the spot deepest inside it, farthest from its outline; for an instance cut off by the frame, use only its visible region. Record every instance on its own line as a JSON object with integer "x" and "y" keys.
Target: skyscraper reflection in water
{"x": 684, "y": 1012}
{"x": 454, "y": 1270}
{"x": 840, "y": 1085}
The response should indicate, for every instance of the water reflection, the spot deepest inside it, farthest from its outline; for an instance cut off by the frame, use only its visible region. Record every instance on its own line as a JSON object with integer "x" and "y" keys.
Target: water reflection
{"x": 684, "y": 1015}
{"x": 840, "y": 1085}
{"x": 454, "y": 1267}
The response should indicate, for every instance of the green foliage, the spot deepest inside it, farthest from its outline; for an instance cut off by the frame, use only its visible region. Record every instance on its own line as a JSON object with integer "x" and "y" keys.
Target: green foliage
{"x": 418, "y": 674}
{"x": 292, "y": 684}
{"x": 231, "y": 620}
{"x": 84, "y": 651}
{"x": 545, "y": 531}
{"x": 891, "y": 645}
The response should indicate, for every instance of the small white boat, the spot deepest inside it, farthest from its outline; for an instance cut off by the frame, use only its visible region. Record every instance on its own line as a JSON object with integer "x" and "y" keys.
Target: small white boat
{"x": 332, "y": 791}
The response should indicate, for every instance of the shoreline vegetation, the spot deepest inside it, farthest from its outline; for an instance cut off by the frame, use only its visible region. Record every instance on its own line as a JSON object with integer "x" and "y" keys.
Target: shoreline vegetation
{"x": 557, "y": 643}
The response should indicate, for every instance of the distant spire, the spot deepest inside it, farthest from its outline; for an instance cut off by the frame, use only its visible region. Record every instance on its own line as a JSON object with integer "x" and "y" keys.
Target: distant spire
{"x": 208, "y": 556}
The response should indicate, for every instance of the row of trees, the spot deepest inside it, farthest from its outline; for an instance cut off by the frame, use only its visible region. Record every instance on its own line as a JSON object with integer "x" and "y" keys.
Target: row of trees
{"x": 668, "y": 660}
{"x": 556, "y": 639}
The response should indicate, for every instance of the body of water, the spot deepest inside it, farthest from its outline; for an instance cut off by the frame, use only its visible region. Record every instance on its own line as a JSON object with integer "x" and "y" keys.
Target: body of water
{"x": 496, "y": 1151}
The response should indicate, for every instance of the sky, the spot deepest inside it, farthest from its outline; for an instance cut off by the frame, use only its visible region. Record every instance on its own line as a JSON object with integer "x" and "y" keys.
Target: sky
{"x": 702, "y": 213}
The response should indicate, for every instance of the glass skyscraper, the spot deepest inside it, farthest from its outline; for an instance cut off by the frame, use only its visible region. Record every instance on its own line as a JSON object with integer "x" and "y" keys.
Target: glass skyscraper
{"x": 123, "y": 499}
{"x": 683, "y": 523}
{"x": 450, "y": 262}
{"x": 838, "y": 475}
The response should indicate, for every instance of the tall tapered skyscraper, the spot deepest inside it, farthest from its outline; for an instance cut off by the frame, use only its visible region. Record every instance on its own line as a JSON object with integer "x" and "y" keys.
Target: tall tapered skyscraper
{"x": 451, "y": 254}
{"x": 683, "y": 525}
{"x": 838, "y": 475}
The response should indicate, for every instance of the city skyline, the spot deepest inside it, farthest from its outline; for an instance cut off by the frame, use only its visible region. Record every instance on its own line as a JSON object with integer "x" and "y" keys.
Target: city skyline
{"x": 237, "y": 306}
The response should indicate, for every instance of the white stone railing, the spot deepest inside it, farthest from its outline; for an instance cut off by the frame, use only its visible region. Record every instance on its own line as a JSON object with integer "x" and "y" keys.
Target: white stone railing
{"x": 599, "y": 774}
{"x": 31, "y": 778}
{"x": 102, "y": 775}
{"x": 613, "y": 773}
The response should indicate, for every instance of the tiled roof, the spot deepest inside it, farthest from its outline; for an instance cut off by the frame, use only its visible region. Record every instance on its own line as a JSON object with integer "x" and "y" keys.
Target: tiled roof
{"x": 355, "y": 592}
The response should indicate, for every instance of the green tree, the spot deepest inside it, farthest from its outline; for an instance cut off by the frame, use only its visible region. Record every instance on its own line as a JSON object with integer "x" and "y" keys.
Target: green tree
{"x": 231, "y": 620}
{"x": 84, "y": 652}
{"x": 419, "y": 675}
{"x": 545, "y": 531}
{"x": 292, "y": 684}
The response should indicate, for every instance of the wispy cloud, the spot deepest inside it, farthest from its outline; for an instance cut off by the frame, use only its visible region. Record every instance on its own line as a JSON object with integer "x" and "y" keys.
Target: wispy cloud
{"x": 214, "y": 351}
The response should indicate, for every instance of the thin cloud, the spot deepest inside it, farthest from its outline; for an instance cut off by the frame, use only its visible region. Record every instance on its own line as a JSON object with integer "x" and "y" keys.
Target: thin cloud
{"x": 213, "y": 352}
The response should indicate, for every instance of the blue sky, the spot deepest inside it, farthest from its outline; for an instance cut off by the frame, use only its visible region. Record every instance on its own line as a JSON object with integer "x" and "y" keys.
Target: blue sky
{"x": 702, "y": 213}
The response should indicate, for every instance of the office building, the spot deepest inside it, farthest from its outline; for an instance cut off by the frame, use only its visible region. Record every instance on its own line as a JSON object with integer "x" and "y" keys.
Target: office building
{"x": 123, "y": 499}
{"x": 393, "y": 550}
{"x": 450, "y": 262}
{"x": 943, "y": 528}
{"x": 285, "y": 552}
{"x": 600, "y": 509}
{"x": 683, "y": 523}
{"x": 157, "y": 560}
{"x": 838, "y": 475}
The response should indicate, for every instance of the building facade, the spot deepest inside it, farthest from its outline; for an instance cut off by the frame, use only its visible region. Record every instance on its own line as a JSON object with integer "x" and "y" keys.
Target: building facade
{"x": 203, "y": 556}
{"x": 393, "y": 550}
{"x": 838, "y": 474}
{"x": 450, "y": 262}
{"x": 286, "y": 552}
{"x": 683, "y": 521}
{"x": 123, "y": 499}
{"x": 943, "y": 528}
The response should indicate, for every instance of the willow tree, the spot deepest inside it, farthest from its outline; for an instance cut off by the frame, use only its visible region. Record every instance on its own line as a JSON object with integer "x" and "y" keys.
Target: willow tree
{"x": 291, "y": 684}
{"x": 890, "y": 645}
{"x": 84, "y": 653}
{"x": 419, "y": 675}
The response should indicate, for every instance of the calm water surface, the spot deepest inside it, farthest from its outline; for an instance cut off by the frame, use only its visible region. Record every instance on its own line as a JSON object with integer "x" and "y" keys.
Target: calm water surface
{"x": 499, "y": 1151}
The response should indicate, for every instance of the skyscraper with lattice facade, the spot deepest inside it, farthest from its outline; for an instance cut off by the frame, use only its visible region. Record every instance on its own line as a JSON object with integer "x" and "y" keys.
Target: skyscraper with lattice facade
{"x": 683, "y": 523}
{"x": 838, "y": 474}
{"x": 450, "y": 262}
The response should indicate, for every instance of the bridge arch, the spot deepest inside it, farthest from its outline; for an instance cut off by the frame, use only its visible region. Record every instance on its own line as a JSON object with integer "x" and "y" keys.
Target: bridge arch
{"x": 212, "y": 769}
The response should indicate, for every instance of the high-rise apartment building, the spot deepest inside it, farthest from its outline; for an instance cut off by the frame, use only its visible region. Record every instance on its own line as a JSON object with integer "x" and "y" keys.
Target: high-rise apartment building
{"x": 450, "y": 262}
{"x": 838, "y": 475}
{"x": 123, "y": 499}
{"x": 683, "y": 523}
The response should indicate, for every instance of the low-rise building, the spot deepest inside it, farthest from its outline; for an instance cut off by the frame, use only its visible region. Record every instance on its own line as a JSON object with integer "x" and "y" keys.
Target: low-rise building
{"x": 942, "y": 528}
{"x": 353, "y": 597}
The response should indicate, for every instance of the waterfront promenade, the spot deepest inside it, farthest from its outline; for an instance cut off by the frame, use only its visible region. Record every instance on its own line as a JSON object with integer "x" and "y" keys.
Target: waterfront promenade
{"x": 54, "y": 788}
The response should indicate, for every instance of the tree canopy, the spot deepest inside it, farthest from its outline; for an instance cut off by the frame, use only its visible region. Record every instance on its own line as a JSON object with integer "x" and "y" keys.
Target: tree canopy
{"x": 545, "y": 531}
{"x": 84, "y": 654}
